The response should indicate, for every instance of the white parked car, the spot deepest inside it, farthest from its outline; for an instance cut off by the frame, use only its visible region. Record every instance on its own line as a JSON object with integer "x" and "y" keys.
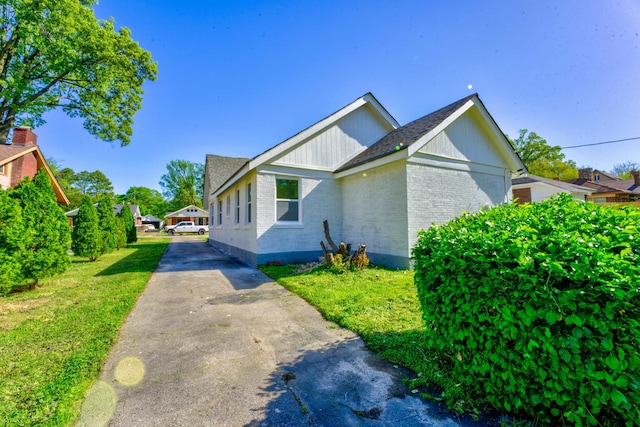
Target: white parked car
{"x": 186, "y": 227}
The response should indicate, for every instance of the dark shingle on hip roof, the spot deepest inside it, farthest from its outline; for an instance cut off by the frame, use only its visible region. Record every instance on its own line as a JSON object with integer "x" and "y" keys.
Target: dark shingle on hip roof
{"x": 404, "y": 136}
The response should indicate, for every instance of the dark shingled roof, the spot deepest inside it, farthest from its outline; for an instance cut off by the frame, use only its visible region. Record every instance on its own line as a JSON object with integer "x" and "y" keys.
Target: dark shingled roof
{"x": 627, "y": 186}
{"x": 218, "y": 170}
{"x": 404, "y": 136}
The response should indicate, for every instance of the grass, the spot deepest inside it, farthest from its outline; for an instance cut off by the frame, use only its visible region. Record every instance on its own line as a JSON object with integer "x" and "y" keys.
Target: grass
{"x": 382, "y": 307}
{"x": 54, "y": 339}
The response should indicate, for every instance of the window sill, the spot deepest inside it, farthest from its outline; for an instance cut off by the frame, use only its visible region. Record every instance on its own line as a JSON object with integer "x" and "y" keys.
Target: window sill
{"x": 288, "y": 225}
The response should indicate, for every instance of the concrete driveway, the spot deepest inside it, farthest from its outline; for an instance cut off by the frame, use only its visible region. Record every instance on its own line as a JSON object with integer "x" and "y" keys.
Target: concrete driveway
{"x": 212, "y": 342}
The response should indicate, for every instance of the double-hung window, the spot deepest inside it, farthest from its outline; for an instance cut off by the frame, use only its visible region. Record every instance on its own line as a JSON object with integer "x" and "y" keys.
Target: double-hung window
{"x": 228, "y": 206}
{"x": 237, "y": 206}
{"x": 220, "y": 212}
{"x": 287, "y": 200}
{"x": 249, "y": 203}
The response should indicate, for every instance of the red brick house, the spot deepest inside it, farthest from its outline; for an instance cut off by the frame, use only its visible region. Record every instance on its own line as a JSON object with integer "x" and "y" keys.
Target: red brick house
{"x": 23, "y": 158}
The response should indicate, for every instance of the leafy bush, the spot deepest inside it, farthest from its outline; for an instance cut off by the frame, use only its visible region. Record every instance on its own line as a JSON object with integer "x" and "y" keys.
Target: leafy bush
{"x": 107, "y": 224}
{"x": 47, "y": 235}
{"x": 536, "y": 307}
{"x": 11, "y": 244}
{"x": 129, "y": 223}
{"x": 87, "y": 236}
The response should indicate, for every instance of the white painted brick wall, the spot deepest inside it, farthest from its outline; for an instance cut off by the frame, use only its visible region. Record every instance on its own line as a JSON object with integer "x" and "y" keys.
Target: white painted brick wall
{"x": 375, "y": 209}
{"x": 242, "y": 235}
{"x": 320, "y": 200}
{"x": 439, "y": 195}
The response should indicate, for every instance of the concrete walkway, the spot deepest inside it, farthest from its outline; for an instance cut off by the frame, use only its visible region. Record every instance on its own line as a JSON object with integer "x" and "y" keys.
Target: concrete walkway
{"x": 212, "y": 342}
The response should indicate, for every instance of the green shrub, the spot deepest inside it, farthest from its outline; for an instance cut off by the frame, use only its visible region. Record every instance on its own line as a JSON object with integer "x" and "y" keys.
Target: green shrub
{"x": 536, "y": 308}
{"x": 87, "y": 237}
{"x": 107, "y": 224}
{"x": 11, "y": 243}
{"x": 129, "y": 223}
{"x": 46, "y": 237}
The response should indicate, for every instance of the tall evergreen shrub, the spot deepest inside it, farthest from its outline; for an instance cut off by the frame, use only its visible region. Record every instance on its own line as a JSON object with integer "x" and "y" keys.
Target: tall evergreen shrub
{"x": 536, "y": 308}
{"x": 107, "y": 224}
{"x": 47, "y": 235}
{"x": 11, "y": 243}
{"x": 129, "y": 224}
{"x": 121, "y": 234}
{"x": 87, "y": 237}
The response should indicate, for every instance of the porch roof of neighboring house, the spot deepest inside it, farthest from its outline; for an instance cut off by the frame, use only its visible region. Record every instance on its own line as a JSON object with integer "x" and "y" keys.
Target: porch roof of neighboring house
{"x": 150, "y": 218}
{"x": 9, "y": 153}
{"x": 565, "y": 186}
{"x": 191, "y": 211}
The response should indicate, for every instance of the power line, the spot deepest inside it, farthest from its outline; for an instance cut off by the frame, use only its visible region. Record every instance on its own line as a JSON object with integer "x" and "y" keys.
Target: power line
{"x": 601, "y": 143}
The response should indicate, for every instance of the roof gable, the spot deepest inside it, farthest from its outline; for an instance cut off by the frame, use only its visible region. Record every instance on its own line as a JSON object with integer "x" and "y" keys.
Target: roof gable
{"x": 415, "y": 135}
{"x": 9, "y": 153}
{"x": 285, "y": 147}
{"x": 188, "y": 211}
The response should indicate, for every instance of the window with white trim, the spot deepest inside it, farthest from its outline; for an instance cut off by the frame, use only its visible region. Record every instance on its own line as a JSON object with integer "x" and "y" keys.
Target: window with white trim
{"x": 249, "y": 203}
{"x": 237, "y": 206}
{"x": 228, "y": 206}
{"x": 3, "y": 170}
{"x": 287, "y": 200}
{"x": 220, "y": 212}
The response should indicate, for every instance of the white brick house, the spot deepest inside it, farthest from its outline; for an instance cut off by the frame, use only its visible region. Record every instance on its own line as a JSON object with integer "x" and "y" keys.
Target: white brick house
{"x": 376, "y": 182}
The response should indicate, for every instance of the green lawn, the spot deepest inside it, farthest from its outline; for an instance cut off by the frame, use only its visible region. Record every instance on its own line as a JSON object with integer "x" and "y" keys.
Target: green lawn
{"x": 54, "y": 339}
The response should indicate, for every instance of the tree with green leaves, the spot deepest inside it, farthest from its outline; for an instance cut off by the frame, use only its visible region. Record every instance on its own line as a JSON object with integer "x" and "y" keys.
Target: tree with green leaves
{"x": 183, "y": 184}
{"x": 86, "y": 237}
{"x": 129, "y": 223}
{"x": 57, "y": 54}
{"x": 623, "y": 170}
{"x": 543, "y": 159}
{"x": 47, "y": 235}
{"x": 11, "y": 243}
{"x": 150, "y": 201}
{"x": 107, "y": 225}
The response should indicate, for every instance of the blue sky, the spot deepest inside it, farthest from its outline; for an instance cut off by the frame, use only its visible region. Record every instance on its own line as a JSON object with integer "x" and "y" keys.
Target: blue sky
{"x": 237, "y": 77}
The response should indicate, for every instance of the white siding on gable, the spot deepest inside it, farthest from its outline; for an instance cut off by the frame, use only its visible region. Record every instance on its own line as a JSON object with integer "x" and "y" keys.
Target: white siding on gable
{"x": 465, "y": 139}
{"x": 338, "y": 143}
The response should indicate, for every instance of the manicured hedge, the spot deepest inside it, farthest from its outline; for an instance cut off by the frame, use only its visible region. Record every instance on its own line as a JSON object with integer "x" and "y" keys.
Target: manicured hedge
{"x": 536, "y": 307}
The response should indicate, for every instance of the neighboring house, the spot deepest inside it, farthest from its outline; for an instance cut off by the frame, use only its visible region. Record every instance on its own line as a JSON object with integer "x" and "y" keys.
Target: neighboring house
{"x": 135, "y": 211}
{"x": 376, "y": 182}
{"x": 597, "y": 176}
{"x": 23, "y": 158}
{"x": 610, "y": 190}
{"x": 532, "y": 188}
{"x": 188, "y": 213}
{"x": 157, "y": 223}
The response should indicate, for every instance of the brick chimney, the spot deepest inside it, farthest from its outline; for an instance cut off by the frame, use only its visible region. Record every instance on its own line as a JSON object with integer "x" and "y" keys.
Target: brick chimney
{"x": 23, "y": 136}
{"x": 636, "y": 177}
{"x": 585, "y": 173}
